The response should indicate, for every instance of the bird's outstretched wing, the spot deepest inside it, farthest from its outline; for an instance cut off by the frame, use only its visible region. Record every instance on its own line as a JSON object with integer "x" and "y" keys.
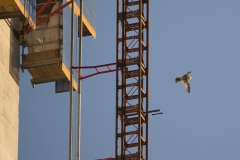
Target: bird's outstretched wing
{"x": 188, "y": 73}
{"x": 186, "y": 85}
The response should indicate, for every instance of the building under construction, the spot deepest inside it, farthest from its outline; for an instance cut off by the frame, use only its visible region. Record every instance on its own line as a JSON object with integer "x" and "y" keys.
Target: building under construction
{"x": 42, "y": 32}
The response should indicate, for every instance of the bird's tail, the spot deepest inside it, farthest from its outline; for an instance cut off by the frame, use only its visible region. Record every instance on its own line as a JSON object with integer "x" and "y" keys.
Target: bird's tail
{"x": 177, "y": 79}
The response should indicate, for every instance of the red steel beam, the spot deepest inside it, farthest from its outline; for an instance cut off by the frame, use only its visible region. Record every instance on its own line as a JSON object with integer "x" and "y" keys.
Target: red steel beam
{"x": 43, "y": 8}
{"x": 94, "y": 74}
{"x": 80, "y": 77}
{"x": 51, "y": 14}
{"x": 38, "y": 13}
{"x": 98, "y": 66}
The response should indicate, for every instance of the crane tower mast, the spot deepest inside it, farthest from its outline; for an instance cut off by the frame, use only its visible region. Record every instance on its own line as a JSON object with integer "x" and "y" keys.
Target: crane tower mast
{"x": 132, "y": 79}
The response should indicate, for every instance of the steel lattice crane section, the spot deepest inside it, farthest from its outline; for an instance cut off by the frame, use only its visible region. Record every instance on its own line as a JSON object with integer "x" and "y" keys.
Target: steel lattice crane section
{"x": 132, "y": 80}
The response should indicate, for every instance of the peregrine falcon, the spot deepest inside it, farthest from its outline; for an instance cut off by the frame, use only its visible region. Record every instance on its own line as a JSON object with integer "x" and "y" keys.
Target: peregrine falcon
{"x": 184, "y": 79}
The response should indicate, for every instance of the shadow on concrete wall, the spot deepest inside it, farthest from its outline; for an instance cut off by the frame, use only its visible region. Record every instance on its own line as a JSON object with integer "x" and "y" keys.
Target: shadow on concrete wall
{"x": 14, "y": 58}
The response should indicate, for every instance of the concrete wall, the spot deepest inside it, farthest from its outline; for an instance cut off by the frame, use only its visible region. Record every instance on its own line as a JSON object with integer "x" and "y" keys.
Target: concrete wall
{"x": 9, "y": 90}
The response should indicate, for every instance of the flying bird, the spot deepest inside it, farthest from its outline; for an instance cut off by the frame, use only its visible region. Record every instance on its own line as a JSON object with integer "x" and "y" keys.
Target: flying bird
{"x": 185, "y": 80}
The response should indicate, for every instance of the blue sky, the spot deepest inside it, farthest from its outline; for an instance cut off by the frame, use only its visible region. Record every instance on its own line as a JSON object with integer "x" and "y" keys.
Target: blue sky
{"x": 188, "y": 35}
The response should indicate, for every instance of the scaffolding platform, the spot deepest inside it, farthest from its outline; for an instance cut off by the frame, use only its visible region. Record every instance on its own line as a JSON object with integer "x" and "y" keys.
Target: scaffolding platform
{"x": 48, "y": 56}
{"x": 19, "y": 8}
{"x": 46, "y": 67}
{"x": 88, "y": 17}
